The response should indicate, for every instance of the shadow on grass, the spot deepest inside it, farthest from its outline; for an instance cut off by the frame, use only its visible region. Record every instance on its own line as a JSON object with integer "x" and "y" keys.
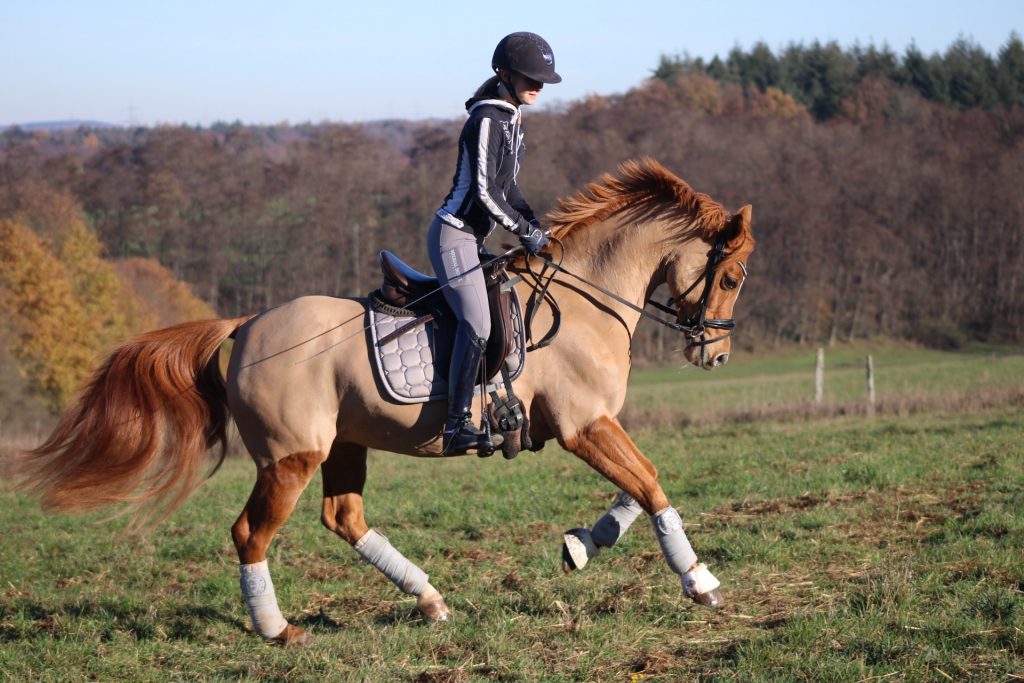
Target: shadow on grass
{"x": 323, "y": 622}
{"x": 32, "y": 620}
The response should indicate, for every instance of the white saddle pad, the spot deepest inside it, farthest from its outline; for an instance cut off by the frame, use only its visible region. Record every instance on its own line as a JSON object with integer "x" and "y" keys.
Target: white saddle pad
{"x": 405, "y": 364}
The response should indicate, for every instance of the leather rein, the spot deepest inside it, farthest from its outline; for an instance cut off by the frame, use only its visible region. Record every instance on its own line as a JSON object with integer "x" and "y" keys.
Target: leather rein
{"x": 693, "y": 328}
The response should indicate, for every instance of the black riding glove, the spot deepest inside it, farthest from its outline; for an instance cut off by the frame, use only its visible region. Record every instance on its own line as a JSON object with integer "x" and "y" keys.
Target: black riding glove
{"x": 533, "y": 239}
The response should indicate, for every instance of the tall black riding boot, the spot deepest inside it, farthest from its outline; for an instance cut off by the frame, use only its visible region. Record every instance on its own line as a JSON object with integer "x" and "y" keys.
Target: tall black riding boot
{"x": 460, "y": 436}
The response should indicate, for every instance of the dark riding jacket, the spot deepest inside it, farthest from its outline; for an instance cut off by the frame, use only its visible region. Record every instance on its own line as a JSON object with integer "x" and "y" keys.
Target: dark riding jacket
{"x": 484, "y": 191}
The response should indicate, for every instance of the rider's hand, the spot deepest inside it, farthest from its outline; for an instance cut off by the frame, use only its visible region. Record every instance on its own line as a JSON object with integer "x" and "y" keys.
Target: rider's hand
{"x": 533, "y": 239}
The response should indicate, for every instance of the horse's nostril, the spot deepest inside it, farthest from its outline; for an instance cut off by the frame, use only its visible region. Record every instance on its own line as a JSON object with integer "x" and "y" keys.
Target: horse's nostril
{"x": 721, "y": 359}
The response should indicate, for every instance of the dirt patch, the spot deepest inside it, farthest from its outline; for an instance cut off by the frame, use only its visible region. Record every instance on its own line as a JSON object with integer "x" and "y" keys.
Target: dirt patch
{"x": 655, "y": 662}
{"x": 475, "y": 555}
{"x": 442, "y": 676}
{"x": 621, "y": 597}
{"x": 774, "y": 506}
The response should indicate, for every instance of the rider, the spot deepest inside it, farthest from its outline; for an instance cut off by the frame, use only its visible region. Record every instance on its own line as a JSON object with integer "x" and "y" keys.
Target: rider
{"x": 484, "y": 194}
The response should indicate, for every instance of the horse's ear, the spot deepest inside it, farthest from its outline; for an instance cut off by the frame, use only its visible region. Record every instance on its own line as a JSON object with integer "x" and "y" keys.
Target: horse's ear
{"x": 739, "y": 224}
{"x": 744, "y": 215}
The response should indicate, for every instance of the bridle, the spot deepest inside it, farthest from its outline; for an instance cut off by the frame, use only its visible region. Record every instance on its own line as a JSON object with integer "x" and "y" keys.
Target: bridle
{"x": 696, "y": 325}
{"x": 693, "y": 328}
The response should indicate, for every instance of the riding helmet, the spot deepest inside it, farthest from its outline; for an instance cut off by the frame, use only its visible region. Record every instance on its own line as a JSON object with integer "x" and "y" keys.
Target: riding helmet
{"x": 527, "y": 53}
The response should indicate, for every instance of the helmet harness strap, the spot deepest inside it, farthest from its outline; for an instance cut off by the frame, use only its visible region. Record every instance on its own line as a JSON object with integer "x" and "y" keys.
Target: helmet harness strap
{"x": 507, "y": 84}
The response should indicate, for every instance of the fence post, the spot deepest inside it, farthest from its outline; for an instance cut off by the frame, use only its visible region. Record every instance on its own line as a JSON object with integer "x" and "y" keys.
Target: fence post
{"x": 819, "y": 376}
{"x": 871, "y": 386}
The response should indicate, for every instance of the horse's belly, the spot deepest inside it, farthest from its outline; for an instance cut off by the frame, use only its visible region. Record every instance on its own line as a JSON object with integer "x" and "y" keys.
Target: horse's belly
{"x": 366, "y": 418}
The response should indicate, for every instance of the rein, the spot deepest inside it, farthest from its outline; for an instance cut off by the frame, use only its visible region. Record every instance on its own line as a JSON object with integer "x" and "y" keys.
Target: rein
{"x": 693, "y": 328}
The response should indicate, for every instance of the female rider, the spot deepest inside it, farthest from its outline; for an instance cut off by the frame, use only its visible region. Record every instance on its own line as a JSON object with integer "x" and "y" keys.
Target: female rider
{"x": 484, "y": 194}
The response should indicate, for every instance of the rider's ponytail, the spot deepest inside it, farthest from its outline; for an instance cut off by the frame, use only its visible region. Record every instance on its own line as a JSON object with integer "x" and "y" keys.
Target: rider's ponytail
{"x": 488, "y": 90}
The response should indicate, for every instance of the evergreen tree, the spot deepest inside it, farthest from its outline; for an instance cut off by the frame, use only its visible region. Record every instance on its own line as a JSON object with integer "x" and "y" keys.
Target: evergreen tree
{"x": 875, "y": 62}
{"x": 1010, "y": 72}
{"x": 761, "y": 68}
{"x": 971, "y": 76}
{"x": 926, "y": 75}
{"x": 823, "y": 76}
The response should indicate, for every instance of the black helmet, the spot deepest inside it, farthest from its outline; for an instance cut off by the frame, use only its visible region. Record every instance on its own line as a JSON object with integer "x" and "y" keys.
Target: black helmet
{"x": 527, "y": 53}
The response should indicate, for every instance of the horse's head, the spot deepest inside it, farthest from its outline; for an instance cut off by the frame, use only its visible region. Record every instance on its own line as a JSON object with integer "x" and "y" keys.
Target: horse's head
{"x": 705, "y": 277}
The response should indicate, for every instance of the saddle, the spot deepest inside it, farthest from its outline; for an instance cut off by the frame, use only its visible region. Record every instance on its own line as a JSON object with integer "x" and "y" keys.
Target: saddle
{"x": 406, "y": 288}
{"x": 412, "y": 329}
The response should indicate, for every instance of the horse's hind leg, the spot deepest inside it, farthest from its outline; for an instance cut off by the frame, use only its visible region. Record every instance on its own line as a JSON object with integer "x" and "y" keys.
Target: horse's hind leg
{"x": 344, "y": 475}
{"x": 273, "y": 498}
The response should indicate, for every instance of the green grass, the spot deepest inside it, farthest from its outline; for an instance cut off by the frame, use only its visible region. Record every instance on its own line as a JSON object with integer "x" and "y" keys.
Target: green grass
{"x": 903, "y": 375}
{"x": 849, "y": 549}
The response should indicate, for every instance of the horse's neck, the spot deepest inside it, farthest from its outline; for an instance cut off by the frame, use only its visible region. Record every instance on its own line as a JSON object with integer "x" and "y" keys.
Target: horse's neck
{"x": 624, "y": 259}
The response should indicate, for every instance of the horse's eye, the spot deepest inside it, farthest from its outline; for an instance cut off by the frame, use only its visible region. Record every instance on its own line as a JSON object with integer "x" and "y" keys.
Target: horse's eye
{"x": 728, "y": 282}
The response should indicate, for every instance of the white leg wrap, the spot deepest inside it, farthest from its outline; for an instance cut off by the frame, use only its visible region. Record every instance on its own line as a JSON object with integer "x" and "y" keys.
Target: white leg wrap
{"x": 258, "y": 590}
{"x": 699, "y": 581}
{"x": 668, "y": 527}
{"x": 614, "y": 523}
{"x": 378, "y": 551}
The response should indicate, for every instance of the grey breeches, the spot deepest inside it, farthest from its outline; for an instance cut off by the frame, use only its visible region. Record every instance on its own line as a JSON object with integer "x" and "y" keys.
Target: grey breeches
{"x": 453, "y": 252}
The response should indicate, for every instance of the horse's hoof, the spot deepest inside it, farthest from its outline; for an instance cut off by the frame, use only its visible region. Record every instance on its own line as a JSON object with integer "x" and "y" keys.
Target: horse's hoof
{"x": 432, "y": 605}
{"x": 577, "y": 549}
{"x": 436, "y": 612}
{"x": 710, "y": 599}
{"x": 292, "y": 636}
{"x": 701, "y": 586}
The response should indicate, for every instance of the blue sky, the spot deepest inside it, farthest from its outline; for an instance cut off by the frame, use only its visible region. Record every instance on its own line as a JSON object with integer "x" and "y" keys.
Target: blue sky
{"x": 197, "y": 62}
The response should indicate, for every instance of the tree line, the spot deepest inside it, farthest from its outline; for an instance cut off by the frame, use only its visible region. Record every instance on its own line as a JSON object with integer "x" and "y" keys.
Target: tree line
{"x": 820, "y": 76}
{"x": 897, "y": 215}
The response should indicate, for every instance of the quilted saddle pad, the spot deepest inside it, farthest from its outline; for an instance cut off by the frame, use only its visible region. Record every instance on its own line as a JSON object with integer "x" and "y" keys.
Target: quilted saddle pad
{"x": 405, "y": 364}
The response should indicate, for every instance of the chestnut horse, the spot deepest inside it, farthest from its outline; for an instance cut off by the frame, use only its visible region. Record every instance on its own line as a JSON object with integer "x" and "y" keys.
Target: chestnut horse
{"x": 301, "y": 387}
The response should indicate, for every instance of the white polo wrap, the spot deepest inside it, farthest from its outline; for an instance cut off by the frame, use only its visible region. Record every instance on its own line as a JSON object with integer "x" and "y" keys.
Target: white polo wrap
{"x": 614, "y": 523}
{"x": 699, "y": 581}
{"x": 668, "y": 527}
{"x": 258, "y": 590}
{"x": 378, "y": 551}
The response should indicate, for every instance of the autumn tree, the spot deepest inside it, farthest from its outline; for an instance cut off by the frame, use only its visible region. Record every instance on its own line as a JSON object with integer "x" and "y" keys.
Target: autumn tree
{"x": 50, "y": 334}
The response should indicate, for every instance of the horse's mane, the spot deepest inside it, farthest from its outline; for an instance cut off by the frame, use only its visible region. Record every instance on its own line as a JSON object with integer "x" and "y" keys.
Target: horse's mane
{"x": 642, "y": 190}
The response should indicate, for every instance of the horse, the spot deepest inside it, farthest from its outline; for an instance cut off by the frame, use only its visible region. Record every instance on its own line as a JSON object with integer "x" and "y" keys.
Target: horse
{"x": 301, "y": 388}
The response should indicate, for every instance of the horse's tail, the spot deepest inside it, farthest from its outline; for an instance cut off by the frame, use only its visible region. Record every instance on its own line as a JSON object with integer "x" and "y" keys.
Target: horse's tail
{"x": 140, "y": 431}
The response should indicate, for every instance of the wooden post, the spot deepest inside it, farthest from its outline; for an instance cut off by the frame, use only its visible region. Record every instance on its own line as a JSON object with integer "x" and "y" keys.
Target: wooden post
{"x": 819, "y": 376}
{"x": 871, "y": 386}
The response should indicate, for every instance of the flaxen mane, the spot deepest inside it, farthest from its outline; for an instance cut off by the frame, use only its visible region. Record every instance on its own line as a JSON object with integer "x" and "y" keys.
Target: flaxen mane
{"x": 642, "y": 190}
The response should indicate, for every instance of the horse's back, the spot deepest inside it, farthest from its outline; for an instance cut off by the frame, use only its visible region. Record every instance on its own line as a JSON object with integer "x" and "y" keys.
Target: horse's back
{"x": 297, "y": 328}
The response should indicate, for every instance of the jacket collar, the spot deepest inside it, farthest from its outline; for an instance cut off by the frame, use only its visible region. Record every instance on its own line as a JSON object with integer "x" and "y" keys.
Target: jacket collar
{"x": 500, "y": 104}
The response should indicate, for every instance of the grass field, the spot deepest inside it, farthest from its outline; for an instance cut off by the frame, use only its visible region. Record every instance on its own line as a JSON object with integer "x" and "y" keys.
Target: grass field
{"x": 850, "y": 549}
{"x": 781, "y": 385}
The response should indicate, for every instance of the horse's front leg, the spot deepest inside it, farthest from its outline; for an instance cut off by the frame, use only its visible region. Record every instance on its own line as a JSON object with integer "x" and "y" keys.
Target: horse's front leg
{"x": 605, "y": 446}
{"x": 581, "y": 545}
